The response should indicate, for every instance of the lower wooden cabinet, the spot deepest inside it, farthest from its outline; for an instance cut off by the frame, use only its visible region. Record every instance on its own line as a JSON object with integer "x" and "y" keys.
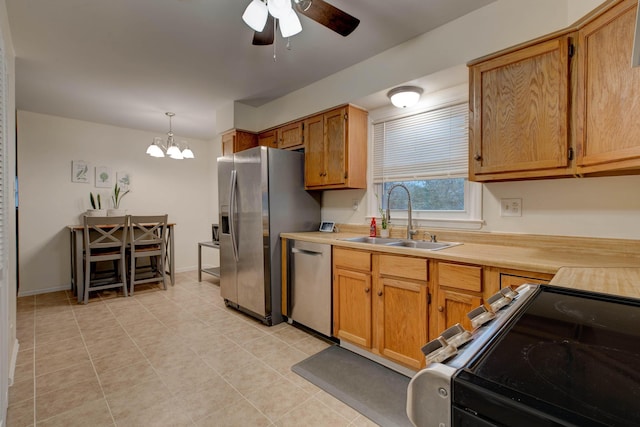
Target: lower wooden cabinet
{"x": 352, "y": 296}
{"x": 380, "y": 303}
{"x": 458, "y": 289}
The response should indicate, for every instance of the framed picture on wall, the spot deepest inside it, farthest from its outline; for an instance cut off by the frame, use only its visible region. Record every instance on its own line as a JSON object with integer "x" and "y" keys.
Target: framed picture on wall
{"x": 103, "y": 177}
{"x": 79, "y": 171}
{"x": 124, "y": 180}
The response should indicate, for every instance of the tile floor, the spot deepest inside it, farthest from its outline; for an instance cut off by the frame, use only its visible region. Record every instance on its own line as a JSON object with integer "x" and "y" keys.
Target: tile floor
{"x": 162, "y": 358}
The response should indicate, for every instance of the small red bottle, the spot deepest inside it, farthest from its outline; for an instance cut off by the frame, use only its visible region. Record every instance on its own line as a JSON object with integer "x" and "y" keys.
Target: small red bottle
{"x": 372, "y": 228}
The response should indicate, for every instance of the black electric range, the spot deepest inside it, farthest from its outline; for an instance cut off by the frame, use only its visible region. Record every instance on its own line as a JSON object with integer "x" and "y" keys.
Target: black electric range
{"x": 549, "y": 356}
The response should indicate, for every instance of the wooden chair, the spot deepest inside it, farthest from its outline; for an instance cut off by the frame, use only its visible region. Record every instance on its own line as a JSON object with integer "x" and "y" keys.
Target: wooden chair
{"x": 105, "y": 239}
{"x": 147, "y": 235}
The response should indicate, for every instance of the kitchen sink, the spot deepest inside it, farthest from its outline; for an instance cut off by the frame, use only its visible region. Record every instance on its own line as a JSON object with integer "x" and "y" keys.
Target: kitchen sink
{"x": 372, "y": 240}
{"x": 417, "y": 244}
{"x": 424, "y": 244}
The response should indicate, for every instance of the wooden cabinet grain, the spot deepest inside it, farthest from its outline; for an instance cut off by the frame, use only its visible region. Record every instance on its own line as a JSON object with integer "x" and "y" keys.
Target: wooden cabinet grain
{"x": 380, "y": 303}
{"x": 458, "y": 289}
{"x": 268, "y": 139}
{"x": 290, "y": 136}
{"x": 401, "y": 307}
{"x": 238, "y": 140}
{"x": 608, "y": 134}
{"x": 518, "y": 113}
{"x": 336, "y": 149}
{"x": 561, "y": 105}
{"x": 352, "y": 296}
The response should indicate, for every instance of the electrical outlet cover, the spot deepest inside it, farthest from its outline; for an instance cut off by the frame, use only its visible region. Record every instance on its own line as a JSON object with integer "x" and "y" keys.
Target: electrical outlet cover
{"x": 510, "y": 207}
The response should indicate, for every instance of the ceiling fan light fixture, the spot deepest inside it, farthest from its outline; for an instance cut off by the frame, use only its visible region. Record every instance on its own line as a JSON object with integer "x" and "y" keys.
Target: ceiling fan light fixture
{"x": 279, "y": 8}
{"x": 405, "y": 96}
{"x": 255, "y": 15}
{"x": 290, "y": 24}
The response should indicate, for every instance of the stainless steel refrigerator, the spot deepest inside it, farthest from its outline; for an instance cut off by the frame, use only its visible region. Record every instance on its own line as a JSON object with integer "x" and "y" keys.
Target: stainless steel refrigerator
{"x": 261, "y": 194}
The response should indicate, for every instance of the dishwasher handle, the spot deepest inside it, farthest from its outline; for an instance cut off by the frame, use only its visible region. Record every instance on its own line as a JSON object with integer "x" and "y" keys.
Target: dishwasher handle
{"x": 305, "y": 252}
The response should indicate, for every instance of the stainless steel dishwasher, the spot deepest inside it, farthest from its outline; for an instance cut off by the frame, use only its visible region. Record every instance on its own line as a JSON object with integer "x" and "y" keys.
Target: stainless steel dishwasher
{"x": 310, "y": 285}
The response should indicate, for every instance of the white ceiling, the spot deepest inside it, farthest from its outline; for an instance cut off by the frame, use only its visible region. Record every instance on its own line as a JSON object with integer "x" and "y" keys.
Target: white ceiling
{"x": 126, "y": 62}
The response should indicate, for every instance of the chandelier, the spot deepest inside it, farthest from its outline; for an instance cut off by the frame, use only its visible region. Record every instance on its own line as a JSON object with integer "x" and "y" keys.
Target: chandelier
{"x": 175, "y": 150}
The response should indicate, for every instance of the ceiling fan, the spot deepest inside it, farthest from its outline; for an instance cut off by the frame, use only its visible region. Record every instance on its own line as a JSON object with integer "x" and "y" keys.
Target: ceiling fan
{"x": 261, "y": 15}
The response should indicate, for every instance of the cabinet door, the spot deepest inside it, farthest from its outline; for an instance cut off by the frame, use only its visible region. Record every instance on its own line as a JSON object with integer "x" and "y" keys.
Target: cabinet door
{"x": 452, "y": 308}
{"x": 268, "y": 139}
{"x": 228, "y": 143}
{"x": 519, "y": 113}
{"x": 401, "y": 313}
{"x": 608, "y": 130}
{"x": 290, "y": 136}
{"x": 335, "y": 146}
{"x": 314, "y": 159}
{"x": 352, "y": 306}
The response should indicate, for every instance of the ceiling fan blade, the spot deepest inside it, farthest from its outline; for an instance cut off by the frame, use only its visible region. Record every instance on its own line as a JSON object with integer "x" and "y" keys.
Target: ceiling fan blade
{"x": 265, "y": 37}
{"x": 329, "y": 16}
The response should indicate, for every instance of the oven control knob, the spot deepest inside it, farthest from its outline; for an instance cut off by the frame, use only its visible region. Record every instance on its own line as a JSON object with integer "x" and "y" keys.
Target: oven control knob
{"x": 499, "y": 300}
{"x": 438, "y": 350}
{"x": 480, "y": 316}
{"x": 457, "y": 335}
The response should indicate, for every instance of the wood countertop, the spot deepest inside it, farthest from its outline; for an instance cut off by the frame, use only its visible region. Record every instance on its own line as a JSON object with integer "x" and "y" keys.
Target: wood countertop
{"x": 611, "y": 280}
{"x": 542, "y": 258}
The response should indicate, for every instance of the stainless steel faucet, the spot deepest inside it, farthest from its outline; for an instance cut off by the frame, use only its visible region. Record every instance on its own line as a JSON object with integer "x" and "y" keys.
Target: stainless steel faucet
{"x": 410, "y": 231}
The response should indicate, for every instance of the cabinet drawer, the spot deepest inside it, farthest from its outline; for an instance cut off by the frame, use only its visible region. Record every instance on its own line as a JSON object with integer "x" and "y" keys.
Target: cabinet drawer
{"x": 408, "y": 268}
{"x": 457, "y": 276}
{"x": 346, "y": 258}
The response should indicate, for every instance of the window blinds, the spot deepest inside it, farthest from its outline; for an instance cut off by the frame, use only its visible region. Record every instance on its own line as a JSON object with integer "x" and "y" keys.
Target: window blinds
{"x": 432, "y": 144}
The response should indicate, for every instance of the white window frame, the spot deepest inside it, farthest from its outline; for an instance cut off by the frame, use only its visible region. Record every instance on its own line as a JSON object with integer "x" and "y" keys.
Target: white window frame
{"x": 471, "y": 217}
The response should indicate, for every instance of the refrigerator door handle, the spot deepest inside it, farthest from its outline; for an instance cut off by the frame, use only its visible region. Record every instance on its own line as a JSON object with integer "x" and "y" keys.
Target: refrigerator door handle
{"x": 232, "y": 213}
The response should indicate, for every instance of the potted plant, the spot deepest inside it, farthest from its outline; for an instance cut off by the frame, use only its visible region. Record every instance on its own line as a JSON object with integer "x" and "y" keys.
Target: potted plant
{"x": 117, "y": 196}
{"x": 96, "y": 206}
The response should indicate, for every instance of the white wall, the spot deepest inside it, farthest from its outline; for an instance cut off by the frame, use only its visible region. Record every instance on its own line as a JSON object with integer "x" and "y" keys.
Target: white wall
{"x": 49, "y": 201}
{"x": 8, "y": 344}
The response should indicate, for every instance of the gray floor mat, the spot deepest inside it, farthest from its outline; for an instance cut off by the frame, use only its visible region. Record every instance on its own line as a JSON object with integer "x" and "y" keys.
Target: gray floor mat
{"x": 374, "y": 390}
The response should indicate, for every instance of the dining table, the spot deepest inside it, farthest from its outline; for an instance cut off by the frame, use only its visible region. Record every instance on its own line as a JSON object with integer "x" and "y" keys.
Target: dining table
{"x": 77, "y": 257}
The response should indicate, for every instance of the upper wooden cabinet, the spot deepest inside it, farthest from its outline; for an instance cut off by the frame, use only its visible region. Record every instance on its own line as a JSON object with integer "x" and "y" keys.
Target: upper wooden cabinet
{"x": 336, "y": 149}
{"x": 238, "y": 140}
{"x": 268, "y": 139}
{"x": 518, "y": 113}
{"x": 608, "y": 132}
{"x": 290, "y": 136}
{"x": 287, "y": 137}
{"x": 560, "y": 105}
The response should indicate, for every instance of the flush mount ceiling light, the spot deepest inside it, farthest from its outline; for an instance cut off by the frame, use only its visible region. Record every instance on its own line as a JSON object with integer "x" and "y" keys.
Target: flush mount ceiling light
{"x": 171, "y": 148}
{"x": 405, "y": 96}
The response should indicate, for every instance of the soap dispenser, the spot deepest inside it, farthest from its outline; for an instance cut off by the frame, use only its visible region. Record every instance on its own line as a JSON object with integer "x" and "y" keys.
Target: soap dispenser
{"x": 372, "y": 228}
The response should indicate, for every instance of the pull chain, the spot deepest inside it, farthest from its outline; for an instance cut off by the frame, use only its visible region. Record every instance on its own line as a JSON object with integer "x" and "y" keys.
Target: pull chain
{"x": 274, "y": 39}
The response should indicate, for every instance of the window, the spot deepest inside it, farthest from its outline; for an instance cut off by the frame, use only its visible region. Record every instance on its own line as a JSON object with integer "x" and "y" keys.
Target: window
{"x": 427, "y": 152}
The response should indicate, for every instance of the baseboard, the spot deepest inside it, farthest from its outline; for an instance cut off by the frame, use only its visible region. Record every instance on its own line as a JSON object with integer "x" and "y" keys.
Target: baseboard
{"x": 26, "y": 293}
{"x": 381, "y": 360}
{"x": 14, "y": 358}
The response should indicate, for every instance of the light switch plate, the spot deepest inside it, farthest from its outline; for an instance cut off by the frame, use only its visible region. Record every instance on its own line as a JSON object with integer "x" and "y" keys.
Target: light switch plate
{"x": 510, "y": 207}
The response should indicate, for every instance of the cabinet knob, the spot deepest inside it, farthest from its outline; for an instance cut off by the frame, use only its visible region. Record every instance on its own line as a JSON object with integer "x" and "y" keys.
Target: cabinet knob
{"x": 366, "y": 290}
{"x": 477, "y": 157}
{"x": 379, "y": 293}
{"x": 440, "y": 308}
